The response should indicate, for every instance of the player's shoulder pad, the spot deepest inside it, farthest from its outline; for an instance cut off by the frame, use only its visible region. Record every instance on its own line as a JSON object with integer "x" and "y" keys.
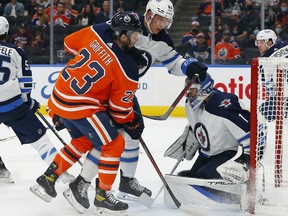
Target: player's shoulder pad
{"x": 221, "y": 102}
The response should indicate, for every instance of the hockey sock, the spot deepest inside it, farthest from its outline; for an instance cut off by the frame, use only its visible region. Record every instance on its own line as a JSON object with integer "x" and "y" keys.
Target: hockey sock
{"x": 129, "y": 157}
{"x": 45, "y": 149}
{"x": 90, "y": 165}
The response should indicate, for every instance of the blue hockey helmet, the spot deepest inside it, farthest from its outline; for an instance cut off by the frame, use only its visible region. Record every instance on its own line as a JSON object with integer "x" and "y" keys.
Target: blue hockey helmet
{"x": 199, "y": 91}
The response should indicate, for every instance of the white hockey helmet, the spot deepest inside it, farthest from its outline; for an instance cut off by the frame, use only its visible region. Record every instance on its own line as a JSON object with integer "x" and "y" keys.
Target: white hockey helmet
{"x": 266, "y": 35}
{"x": 163, "y": 8}
{"x": 4, "y": 25}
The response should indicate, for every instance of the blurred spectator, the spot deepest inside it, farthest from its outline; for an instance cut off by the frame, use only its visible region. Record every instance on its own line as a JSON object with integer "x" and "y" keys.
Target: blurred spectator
{"x": 39, "y": 18}
{"x": 282, "y": 17}
{"x": 227, "y": 49}
{"x": 38, "y": 41}
{"x": 22, "y": 38}
{"x": 70, "y": 11}
{"x": 44, "y": 3}
{"x": 270, "y": 17}
{"x": 14, "y": 12}
{"x": 251, "y": 16}
{"x": 191, "y": 36}
{"x": 31, "y": 7}
{"x": 48, "y": 8}
{"x": 250, "y": 42}
{"x": 205, "y": 8}
{"x": 239, "y": 28}
{"x": 218, "y": 33}
{"x": 87, "y": 17}
{"x": 201, "y": 51}
{"x": 95, "y": 4}
{"x": 103, "y": 16}
{"x": 281, "y": 32}
{"x": 61, "y": 18}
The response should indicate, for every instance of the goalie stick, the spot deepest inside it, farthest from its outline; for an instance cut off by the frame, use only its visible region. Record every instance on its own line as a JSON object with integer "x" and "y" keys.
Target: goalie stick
{"x": 176, "y": 101}
{"x": 179, "y": 205}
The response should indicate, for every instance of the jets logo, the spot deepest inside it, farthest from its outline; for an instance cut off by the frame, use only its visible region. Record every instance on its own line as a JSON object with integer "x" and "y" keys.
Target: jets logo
{"x": 202, "y": 137}
{"x": 225, "y": 103}
{"x": 148, "y": 58}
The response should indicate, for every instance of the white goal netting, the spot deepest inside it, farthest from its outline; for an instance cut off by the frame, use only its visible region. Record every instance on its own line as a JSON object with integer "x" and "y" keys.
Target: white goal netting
{"x": 269, "y": 144}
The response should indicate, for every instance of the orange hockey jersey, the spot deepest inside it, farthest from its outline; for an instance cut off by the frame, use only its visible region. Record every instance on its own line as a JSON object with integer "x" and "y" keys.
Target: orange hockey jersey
{"x": 101, "y": 77}
{"x": 227, "y": 50}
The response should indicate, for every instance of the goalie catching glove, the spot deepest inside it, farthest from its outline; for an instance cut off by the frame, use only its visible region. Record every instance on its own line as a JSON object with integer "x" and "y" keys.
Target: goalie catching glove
{"x": 233, "y": 171}
{"x": 185, "y": 146}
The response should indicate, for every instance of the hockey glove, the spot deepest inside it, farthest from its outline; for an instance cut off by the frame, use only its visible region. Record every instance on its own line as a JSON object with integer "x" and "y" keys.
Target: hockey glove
{"x": 57, "y": 121}
{"x": 33, "y": 104}
{"x": 135, "y": 128}
{"x": 191, "y": 67}
{"x": 137, "y": 56}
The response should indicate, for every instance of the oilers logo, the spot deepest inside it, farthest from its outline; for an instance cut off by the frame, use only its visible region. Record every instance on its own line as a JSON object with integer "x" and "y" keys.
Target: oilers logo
{"x": 202, "y": 137}
{"x": 222, "y": 53}
{"x": 148, "y": 58}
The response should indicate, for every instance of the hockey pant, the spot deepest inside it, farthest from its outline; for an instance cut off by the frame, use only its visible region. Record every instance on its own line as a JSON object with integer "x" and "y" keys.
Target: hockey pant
{"x": 128, "y": 160}
{"x": 29, "y": 130}
{"x": 94, "y": 131}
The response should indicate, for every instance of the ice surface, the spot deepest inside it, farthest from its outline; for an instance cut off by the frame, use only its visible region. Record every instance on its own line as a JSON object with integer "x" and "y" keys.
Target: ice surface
{"x": 25, "y": 166}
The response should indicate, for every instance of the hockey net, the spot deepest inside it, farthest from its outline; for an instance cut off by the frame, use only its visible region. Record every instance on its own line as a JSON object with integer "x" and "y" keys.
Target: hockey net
{"x": 269, "y": 137}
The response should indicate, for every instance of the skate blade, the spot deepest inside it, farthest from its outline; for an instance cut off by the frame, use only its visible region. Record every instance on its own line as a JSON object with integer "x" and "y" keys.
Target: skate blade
{"x": 69, "y": 197}
{"x": 144, "y": 199}
{"x": 106, "y": 212}
{"x": 129, "y": 197}
{"x": 40, "y": 192}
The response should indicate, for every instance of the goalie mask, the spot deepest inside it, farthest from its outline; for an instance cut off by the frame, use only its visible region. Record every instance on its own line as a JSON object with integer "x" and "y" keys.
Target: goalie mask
{"x": 199, "y": 91}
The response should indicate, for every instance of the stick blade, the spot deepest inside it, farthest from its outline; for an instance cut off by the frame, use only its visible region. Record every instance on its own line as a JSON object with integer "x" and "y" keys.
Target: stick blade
{"x": 146, "y": 200}
{"x": 164, "y": 117}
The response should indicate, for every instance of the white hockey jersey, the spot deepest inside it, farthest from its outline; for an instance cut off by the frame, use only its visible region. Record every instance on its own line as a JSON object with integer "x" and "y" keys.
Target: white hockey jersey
{"x": 220, "y": 125}
{"x": 159, "y": 47}
{"x": 15, "y": 77}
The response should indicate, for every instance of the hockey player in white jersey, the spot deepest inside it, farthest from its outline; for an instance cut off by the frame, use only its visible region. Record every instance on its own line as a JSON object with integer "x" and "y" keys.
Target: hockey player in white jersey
{"x": 17, "y": 108}
{"x": 155, "y": 44}
{"x": 268, "y": 47}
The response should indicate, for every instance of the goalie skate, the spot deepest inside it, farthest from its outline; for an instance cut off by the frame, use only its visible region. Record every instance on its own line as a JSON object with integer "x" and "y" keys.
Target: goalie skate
{"x": 40, "y": 192}
{"x": 69, "y": 197}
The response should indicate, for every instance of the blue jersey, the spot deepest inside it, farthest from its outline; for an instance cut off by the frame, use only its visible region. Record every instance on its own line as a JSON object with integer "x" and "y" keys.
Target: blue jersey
{"x": 220, "y": 124}
{"x": 278, "y": 50}
{"x": 15, "y": 77}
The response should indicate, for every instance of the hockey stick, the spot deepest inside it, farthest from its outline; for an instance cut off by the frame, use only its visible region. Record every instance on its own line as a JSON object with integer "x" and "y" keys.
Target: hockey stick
{"x": 174, "y": 104}
{"x": 7, "y": 138}
{"x": 171, "y": 172}
{"x": 54, "y": 131}
{"x": 179, "y": 205}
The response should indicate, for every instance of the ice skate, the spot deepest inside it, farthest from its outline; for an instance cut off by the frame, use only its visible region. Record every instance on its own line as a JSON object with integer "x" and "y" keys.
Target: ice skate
{"x": 130, "y": 189}
{"x": 5, "y": 175}
{"x": 66, "y": 178}
{"x": 45, "y": 189}
{"x": 107, "y": 204}
{"x": 77, "y": 194}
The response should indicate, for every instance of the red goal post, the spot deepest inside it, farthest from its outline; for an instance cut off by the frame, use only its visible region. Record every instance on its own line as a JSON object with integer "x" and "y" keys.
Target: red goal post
{"x": 269, "y": 137}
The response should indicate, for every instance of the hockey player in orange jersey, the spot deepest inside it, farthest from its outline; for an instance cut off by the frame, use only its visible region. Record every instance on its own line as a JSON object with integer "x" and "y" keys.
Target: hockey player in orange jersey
{"x": 227, "y": 48}
{"x": 94, "y": 90}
